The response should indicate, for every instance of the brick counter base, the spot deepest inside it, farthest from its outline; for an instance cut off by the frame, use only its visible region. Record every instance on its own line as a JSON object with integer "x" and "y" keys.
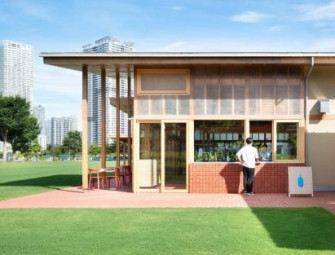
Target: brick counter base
{"x": 228, "y": 178}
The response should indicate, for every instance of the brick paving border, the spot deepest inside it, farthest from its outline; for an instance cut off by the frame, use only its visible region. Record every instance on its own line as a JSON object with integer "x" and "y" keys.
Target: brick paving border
{"x": 75, "y": 197}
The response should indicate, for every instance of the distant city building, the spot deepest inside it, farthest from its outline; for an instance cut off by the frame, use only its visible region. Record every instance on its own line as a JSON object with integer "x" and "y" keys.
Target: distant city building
{"x": 39, "y": 113}
{"x": 42, "y": 141}
{"x": 16, "y": 69}
{"x": 47, "y": 131}
{"x": 106, "y": 44}
{"x": 57, "y": 128}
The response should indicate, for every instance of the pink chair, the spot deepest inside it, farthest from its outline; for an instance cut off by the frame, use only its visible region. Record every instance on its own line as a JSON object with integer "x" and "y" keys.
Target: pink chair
{"x": 113, "y": 174}
{"x": 127, "y": 173}
{"x": 96, "y": 175}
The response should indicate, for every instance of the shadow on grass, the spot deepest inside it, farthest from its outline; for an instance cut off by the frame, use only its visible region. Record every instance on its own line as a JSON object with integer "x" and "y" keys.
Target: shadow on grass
{"x": 51, "y": 182}
{"x": 299, "y": 228}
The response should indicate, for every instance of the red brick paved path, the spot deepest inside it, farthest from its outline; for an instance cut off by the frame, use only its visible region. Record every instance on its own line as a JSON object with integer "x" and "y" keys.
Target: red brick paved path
{"x": 74, "y": 197}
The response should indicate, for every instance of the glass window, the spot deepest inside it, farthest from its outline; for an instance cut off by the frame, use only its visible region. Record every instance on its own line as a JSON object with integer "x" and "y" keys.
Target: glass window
{"x": 150, "y": 141}
{"x": 217, "y": 140}
{"x": 261, "y": 133}
{"x": 287, "y": 134}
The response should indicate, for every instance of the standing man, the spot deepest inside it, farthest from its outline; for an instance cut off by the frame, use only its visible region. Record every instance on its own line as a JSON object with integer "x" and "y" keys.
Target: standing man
{"x": 248, "y": 156}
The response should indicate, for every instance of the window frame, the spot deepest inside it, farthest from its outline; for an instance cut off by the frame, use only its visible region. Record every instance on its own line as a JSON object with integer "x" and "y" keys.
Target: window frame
{"x": 184, "y": 71}
{"x": 300, "y": 139}
{"x": 300, "y": 142}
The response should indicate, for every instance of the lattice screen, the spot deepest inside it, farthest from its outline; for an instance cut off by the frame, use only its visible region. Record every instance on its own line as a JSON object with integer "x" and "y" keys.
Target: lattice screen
{"x": 233, "y": 91}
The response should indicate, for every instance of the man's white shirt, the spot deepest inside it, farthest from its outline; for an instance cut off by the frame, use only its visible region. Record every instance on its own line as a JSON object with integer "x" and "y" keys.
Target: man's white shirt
{"x": 248, "y": 154}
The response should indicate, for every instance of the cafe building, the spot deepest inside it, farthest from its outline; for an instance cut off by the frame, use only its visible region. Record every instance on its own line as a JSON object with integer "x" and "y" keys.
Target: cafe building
{"x": 189, "y": 113}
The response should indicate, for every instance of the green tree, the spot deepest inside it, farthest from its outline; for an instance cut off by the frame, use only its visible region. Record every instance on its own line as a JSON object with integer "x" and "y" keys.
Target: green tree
{"x": 34, "y": 149}
{"x": 72, "y": 143}
{"x": 56, "y": 151}
{"x": 110, "y": 149}
{"x": 17, "y": 125}
{"x": 94, "y": 150}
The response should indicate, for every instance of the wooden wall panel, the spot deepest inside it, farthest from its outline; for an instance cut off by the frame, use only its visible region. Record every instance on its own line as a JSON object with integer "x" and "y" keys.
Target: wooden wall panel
{"x": 212, "y": 100}
{"x": 183, "y": 105}
{"x": 198, "y": 99}
{"x": 234, "y": 91}
{"x": 267, "y": 96}
{"x": 254, "y": 99}
{"x": 171, "y": 105}
{"x": 156, "y": 105}
{"x": 295, "y": 100}
{"x": 282, "y": 97}
{"x": 239, "y": 99}
{"x": 143, "y": 105}
{"x": 226, "y": 99}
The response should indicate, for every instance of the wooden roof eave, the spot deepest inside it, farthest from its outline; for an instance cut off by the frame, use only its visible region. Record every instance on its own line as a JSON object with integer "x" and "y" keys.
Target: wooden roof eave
{"x": 116, "y": 61}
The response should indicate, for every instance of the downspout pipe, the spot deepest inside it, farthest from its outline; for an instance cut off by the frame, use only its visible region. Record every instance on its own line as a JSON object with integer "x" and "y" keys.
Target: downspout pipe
{"x": 306, "y": 108}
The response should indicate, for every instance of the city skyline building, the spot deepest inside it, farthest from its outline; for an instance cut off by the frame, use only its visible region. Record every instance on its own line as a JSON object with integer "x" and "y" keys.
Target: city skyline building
{"x": 39, "y": 113}
{"x": 103, "y": 45}
{"x": 56, "y": 129}
{"x": 16, "y": 69}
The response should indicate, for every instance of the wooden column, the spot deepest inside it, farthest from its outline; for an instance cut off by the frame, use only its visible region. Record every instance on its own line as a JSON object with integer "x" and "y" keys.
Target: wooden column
{"x": 117, "y": 118}
{"x": 124, "y": 153}
{"x": 103, "y": 117}
{"x": 84, "y": 164}
{"x": 129, "y": 121}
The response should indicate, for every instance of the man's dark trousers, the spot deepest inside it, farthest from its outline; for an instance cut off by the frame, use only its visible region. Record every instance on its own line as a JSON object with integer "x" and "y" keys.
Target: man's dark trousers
{"x": 248, "y": 178}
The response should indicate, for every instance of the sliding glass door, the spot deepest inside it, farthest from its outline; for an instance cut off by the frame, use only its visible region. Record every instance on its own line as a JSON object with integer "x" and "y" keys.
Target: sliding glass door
{"x": 174, "y": 156}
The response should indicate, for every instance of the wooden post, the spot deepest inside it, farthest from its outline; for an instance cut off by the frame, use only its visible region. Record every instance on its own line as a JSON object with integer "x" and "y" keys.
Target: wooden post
{"x": 103, "y": 117}
{"x": 124, "y": 153}
{"x": 84, "y": 164}
{"x": 117, "y": 118}
{"x": 129, "y": 121}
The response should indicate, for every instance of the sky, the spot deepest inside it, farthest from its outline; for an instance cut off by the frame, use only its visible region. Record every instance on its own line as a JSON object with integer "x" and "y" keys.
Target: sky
{"x": 159, "y": 26}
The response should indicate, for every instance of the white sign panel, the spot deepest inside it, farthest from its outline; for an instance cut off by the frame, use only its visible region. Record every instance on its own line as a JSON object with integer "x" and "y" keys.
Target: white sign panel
{"x": 300, "y": 181}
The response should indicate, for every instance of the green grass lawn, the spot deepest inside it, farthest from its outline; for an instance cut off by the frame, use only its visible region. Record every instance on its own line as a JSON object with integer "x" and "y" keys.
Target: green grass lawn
{"x": 24, "y": 178}
{"x": 167, "y": 231}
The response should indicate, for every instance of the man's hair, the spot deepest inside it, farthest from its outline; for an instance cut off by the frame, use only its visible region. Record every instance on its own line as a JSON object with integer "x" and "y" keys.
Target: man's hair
{"x": 249, "y": 140}
{"x": 265, "y": 145}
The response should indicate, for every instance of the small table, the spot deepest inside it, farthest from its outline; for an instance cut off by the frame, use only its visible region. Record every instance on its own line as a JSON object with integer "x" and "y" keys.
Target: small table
{"x": 98, "y": 171}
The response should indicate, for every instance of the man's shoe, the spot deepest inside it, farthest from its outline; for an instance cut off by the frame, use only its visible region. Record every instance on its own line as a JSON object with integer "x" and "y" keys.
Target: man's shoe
{"x": 251, "y": 193}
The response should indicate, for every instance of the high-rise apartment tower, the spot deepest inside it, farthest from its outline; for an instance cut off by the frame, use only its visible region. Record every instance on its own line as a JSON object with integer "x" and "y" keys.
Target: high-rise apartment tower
{"x": 57, "y": 128}
{"x": 106, "y": 44}
{"x": 16, "y": 69}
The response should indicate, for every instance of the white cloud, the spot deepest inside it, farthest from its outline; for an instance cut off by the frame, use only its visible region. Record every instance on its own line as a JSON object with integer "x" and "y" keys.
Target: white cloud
{"x": 249, "y": 17}
{"x": 175, "y": 8}
{"x": 322, "y": 12}
{"x": 230, "y": 45}
{"x": 275, "y": 29}
{"x": 33, "y": 9}
{"x": 175, "y": 46}
{"x": 324, "y": 45}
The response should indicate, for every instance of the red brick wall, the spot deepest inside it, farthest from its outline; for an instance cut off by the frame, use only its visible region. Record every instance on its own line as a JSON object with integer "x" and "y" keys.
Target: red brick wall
{"x": 228, "y": 178}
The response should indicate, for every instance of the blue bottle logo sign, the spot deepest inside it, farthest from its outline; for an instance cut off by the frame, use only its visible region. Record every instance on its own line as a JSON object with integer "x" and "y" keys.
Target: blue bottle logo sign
{"x": 300, "y": 180}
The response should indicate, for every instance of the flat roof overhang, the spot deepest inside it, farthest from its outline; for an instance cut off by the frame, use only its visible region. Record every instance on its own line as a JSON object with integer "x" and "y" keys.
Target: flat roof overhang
{"x": 126, "y": 61}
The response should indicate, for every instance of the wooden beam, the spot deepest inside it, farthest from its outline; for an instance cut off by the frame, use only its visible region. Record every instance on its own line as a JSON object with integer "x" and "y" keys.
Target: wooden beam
{"x": 84, "y": 164}
{"x": 117, "y": 118}
{"x": 103, "y": 117}
{"x": 322, "y": 117}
